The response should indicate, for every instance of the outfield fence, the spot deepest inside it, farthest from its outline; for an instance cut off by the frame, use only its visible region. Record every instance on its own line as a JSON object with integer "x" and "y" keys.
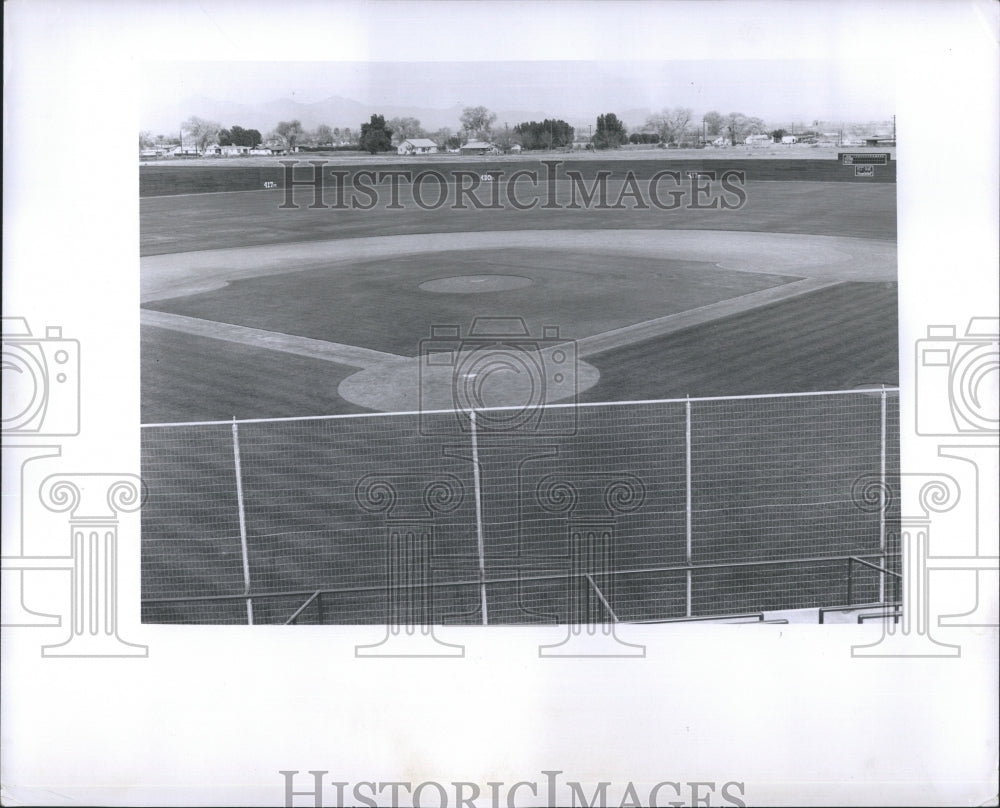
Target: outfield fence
{"x": 643, "y": 511}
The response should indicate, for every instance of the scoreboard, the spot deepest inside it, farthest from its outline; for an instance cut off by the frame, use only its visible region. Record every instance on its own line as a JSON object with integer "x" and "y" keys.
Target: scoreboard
{"x": 864, "y": 158}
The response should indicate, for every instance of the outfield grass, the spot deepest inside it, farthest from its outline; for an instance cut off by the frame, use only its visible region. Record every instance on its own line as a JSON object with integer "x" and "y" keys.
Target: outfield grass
{"x": 214, "y": 221}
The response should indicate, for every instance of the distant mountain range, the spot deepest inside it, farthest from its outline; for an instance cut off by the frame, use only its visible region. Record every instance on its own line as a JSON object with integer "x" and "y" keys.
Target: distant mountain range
{"x": 336, "y": 111}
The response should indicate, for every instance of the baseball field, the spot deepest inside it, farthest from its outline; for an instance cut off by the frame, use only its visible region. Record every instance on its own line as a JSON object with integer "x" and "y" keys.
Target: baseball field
{"x": 642, "y": 448}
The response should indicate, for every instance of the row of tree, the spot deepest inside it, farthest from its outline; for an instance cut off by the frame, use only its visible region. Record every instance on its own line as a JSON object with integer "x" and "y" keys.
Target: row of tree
{"x": 671, "y": 126}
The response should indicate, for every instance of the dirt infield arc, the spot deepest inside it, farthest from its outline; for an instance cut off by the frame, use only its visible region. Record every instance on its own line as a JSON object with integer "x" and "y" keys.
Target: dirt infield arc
{"x": 791, "y": 265}
{"x": 828, "y": 257}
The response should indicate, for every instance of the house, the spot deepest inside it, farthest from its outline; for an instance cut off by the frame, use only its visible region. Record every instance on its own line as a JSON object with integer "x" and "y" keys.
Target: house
{"x": 184, "y": 151}
{"x": 581, "y": 142}
{"x": 212, "y": 150}
{"x": 417, "y": 145}
{"x": 789, "y": 139}
{"x": 757, "y": 140}
{"x": 515, "y": 148}
{"x": 260, "y": 150}
{"x": 479, "y": 147}
{"x": 235, "y": 151}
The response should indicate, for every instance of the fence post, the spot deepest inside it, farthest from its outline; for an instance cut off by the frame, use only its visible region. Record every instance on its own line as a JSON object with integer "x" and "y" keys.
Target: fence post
{"x": 687, "y": 485}
{"x": 243, "y": 523}
{"x": 850, "y": 587}
{"x": 882, "y": 504}
{"x": 479, "y": 517}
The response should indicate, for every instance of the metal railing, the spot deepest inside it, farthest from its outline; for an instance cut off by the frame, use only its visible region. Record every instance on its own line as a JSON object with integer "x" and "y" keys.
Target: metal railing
{"x": 316, "y": 596}
{"x": 697, "y": 549}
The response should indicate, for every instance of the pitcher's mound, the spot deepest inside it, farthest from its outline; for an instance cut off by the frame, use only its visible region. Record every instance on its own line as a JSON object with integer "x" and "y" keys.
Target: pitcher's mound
{"x": 472, "y": 284}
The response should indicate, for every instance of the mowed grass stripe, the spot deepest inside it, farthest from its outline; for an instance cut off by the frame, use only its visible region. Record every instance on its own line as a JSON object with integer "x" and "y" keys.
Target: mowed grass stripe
{"x": 178, "y": 224}
{"x": 192, "y": 378}
{"x": 836, "y": 338}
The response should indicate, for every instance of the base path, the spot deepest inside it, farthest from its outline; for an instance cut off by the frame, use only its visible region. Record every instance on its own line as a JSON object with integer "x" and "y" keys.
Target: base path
{"x": 661, "y": 326}
{"x": 350, "y": 355}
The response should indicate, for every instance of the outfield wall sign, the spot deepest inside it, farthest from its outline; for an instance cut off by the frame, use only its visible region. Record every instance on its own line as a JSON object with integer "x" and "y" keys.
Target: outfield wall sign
{"x": 864, "y": 158}
{"x": 864, "y": 171}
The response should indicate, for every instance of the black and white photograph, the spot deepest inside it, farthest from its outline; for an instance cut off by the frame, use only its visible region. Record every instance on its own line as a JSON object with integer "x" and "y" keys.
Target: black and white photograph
{"x": 575, "y": 352}
{"x": 501, "y": 403}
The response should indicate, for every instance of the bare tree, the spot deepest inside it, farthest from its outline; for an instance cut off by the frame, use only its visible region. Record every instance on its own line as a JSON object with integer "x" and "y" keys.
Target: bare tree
{"x": 202, "y": 132}
{"x": 670, "y": 124}
{"x": 735, "y": 124}
{"x": 738, "y": 126}
{"x": 755, "y": 126}
{"x": 290, "y": 133}
{"x": 502, "y": 137}
{"x": 404, "y": 128}
{"x": 322, "y": 136}
{"x": 477, "y": 121}
{"x": 441, "y": 137}
{"x": 713, "y": 123}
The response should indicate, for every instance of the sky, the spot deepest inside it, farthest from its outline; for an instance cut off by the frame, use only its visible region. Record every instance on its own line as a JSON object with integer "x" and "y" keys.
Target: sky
{"x": 770, "y": 89}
